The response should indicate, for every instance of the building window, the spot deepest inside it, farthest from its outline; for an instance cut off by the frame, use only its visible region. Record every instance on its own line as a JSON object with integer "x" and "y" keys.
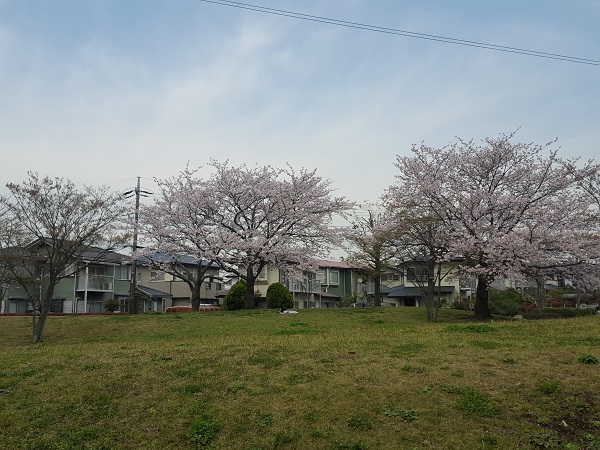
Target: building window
{"x": 320, "y": 276}
{"x": 157, "y": 276}
{"x": 263, "y": 273}
{"x": 416, "y": 273}
{"x": 334, "y": 277}
{"x": 122, "y": 272}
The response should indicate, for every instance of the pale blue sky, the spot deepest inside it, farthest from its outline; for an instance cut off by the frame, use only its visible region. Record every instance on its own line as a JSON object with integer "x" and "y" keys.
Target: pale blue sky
{"x": 101, "y": 91}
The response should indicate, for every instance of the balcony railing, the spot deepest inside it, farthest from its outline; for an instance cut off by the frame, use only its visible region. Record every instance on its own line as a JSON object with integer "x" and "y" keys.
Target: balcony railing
{"x": 96, "y": 283}
{"x": 313, "y": 287}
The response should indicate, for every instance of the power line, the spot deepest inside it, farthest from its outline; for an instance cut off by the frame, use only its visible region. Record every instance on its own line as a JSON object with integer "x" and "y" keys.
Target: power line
{"x": 116, "y": 182}
{"x": 405, "y": 33}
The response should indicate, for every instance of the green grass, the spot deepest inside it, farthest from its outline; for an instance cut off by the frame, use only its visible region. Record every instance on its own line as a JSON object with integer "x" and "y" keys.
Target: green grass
{"x": 322, "y": 379}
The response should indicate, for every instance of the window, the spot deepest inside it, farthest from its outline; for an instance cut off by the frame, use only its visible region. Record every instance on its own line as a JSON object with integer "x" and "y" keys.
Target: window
{"x": 320, "y": 276}
{"x": 334, "y": 276}
{"x": 416, "y": 273}
{"x": 263, "y": 273}
{"x": 122, "y": 272}
{"x": 157, "y": 276}
{"x": 101, "y": 271}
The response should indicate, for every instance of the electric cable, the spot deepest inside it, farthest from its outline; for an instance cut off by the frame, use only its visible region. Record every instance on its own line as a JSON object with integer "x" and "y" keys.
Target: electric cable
{"x": 405, "y": 33}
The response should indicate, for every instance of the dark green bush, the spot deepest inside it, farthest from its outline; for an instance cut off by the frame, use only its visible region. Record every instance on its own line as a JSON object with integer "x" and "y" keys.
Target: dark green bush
{"x": 505, "y": 303}
{"x": 278, "y": 296}
{"x": 558, "y": 313}
{"x": 112, "y": 305}
{"x": 236, "y": 297}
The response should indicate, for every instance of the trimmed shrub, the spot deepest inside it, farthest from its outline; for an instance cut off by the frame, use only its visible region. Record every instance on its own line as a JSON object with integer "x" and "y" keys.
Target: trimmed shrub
{"x": 236, "y": 297}
{"x": 112, "y": 305}
{"x": 505, "y": 303}
{"x": 278, "y": 296}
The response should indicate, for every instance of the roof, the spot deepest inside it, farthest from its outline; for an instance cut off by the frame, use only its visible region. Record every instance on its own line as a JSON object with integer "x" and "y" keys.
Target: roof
{"x": 88, "y": 253}
{"x": 100, "y": 255}
{"x": 153, "y": 293}
{"x": 323, "y": 263}
{"x": 402, "y": 291}
{"x": 163, "y": 257}
{"x": 328, "y": 295}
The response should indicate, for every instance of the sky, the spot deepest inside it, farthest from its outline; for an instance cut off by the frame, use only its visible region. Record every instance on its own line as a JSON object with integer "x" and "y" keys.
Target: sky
{"x": 103, "y": 91}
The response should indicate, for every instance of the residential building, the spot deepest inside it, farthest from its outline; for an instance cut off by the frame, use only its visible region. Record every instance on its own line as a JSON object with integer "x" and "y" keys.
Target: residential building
{"x": 151, "y": 276}
{"x": 98, "y": 275}
{"x": 324, "y": 288}
{"x": 410, "y": 280}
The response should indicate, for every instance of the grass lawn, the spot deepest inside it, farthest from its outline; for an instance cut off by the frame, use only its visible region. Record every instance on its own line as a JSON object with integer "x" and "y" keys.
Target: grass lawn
{"x": 375, "y": 378}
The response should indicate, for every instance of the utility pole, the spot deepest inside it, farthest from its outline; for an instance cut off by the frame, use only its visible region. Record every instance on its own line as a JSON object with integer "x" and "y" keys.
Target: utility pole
{"x": 133, "y": 306}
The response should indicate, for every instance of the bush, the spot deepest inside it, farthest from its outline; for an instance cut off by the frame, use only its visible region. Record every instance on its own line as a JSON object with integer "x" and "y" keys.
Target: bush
{"x": 557, "y": 313}
{"x": 527, "y": 308}
{"x": 348, "y": 300}
{"x": 278, "y": 296}
{"x": 236, "y": 297}
{"x": 505, "y": 303}
{"x": 462, "y": 305}
{"x": 112, "y": 305}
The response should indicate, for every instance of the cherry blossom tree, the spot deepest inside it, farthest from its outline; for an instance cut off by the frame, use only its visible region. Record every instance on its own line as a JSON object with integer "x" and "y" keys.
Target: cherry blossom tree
{"x": 48, "y": 224}
{"x": 245, "y": 218}
{"x": 561, "y": 237}
{"x": 485, "y": 193}
{"x": 176, "y": 231}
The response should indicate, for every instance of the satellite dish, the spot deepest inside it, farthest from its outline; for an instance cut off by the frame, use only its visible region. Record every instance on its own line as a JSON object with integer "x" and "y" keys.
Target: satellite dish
{"x": 360, "y": 280}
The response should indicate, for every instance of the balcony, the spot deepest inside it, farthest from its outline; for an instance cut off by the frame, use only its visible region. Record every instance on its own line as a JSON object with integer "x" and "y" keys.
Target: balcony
{"x": 96, "y": 283}
{"x": 312, "y": 286}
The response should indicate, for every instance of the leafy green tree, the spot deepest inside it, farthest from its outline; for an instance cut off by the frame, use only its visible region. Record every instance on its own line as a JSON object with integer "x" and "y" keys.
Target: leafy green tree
{"x": 278, "y": 296}
{"x": 235, "y": 298}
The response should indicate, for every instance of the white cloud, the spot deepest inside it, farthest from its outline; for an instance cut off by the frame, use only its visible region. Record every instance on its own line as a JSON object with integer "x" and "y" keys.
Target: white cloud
{"x": 269, "y": 90}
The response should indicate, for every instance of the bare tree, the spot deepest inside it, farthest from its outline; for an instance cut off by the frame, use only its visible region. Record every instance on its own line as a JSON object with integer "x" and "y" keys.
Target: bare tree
{"x": 421, "y": 243}
{"x": 372, "y": 241}
{"x": 52, "y": 225}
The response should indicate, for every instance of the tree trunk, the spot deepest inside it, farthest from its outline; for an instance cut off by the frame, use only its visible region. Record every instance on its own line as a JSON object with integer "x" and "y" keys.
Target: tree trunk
{"x": 430, "y": 292}
{"x": 430, "y": 297}
{"x": 377, "y": 290}
{"x": 482, "y": 307}
{"x": 250, "y": 279}
{"x": 45, "y": 303}
{"x": 40, "y": 323}
{"x": 196, "y": 294}
{"x": 541, "y": 292}
{"x": 196, "y": 286}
